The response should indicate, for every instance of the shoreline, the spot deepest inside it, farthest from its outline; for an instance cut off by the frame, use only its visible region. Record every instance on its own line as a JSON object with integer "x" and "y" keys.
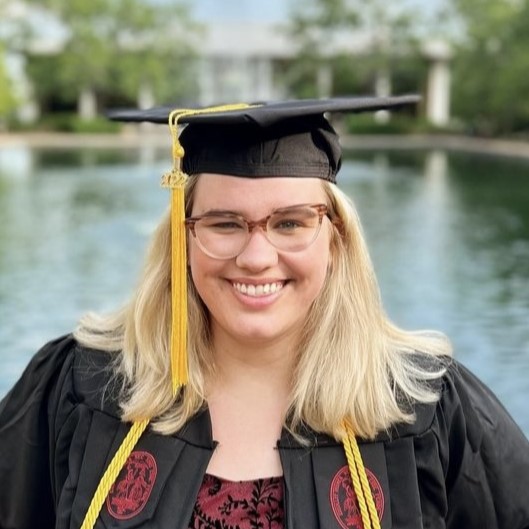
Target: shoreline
{"x": 153, "y": 138}
{"x": 441, "y": 142}
{"x": 64, "y": 140}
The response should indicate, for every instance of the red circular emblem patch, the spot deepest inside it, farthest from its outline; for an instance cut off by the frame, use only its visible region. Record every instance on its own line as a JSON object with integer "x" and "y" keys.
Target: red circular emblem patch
{"x": 129, "y": 494}
{"x": 343, "y": 499}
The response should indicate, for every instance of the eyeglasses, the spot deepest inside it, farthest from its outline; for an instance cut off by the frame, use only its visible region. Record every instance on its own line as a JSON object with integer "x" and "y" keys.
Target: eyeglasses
{"x": 224, "y": 235}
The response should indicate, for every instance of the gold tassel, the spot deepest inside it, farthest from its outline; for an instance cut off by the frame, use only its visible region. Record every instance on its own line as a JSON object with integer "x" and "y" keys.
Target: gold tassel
{"x": 176, "y": 181}
{"x": 179, "y": 371}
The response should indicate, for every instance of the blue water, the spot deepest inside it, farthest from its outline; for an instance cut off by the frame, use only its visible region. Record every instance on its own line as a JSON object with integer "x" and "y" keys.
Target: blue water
{"x": 449, "y": 236}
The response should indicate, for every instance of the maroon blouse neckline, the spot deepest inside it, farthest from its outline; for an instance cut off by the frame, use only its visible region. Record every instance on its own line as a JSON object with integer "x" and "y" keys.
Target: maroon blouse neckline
{"x": 246, "y": 504}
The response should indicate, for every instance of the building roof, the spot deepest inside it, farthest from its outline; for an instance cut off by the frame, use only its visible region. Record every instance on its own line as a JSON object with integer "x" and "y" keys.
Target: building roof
{"x": 270, "y": 40}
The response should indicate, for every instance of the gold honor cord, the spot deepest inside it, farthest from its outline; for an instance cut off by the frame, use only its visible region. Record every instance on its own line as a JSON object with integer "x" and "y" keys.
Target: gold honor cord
{"x": 112, "y": 472}
{"x": 176, "y": 180}
{"x": 361, "y": 485}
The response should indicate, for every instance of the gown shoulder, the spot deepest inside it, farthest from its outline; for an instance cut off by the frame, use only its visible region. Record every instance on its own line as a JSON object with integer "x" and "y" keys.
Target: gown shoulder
{"x": 39, "y": 418}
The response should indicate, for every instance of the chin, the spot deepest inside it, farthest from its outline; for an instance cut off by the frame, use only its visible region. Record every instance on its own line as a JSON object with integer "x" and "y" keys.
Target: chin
{"x": 262, "y": 335}
{"x": 259, "y": 333}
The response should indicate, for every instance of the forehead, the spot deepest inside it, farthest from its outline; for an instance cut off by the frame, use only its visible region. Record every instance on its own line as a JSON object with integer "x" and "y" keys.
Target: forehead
{"x": 254, "y": 196}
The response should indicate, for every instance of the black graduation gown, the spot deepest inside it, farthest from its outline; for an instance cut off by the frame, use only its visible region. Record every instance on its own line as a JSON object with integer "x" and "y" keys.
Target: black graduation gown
{"x": 462, "y": 464}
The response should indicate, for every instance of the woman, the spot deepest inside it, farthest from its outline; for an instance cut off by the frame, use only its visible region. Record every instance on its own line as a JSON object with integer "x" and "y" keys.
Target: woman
{"x": 291, "y": 358}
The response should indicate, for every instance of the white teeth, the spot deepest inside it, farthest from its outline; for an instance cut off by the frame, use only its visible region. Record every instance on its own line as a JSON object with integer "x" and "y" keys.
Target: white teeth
{"x": 258, "y": 290}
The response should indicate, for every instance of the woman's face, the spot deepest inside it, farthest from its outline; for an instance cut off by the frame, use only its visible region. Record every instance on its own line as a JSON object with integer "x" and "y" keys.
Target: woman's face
{"x": 272, "y": 313}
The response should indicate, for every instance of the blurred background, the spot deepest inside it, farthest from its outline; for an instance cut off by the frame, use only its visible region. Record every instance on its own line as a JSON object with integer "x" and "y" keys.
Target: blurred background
{"x": 442, "y": 189}
{"x": 64, "y": 62}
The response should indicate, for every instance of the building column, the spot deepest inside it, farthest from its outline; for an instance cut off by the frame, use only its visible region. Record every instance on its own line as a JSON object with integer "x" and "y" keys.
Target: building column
{"x": 324, "y": 80}
{"x": 382, "y": 89}
{"x": 206, "y": 81}
{"x": 438, "y": 88}
{"x": 240, "y": 83}
{"x": 264, "y": 86}
{"x": 87, "y": 104}
{"x": 146, "y": 96}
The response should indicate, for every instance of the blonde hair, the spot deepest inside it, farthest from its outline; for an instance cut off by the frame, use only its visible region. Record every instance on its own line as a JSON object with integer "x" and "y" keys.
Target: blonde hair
{"x": 352, "y": 361}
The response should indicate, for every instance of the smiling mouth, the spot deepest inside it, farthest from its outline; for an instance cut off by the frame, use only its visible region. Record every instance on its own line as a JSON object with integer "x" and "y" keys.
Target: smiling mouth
{"x": 255, "y": 291}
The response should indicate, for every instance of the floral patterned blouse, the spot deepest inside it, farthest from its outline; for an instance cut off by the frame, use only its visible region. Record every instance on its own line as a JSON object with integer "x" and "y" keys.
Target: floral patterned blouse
{"x": 224, "y": 504}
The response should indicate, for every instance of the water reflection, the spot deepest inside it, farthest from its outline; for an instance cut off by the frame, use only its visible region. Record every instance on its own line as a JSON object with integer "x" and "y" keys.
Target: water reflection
{"x": 451, "y": 248}
{"x": 449, "y": 236}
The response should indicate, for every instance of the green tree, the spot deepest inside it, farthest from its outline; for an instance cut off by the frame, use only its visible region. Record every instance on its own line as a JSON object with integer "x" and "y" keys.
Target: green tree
{"x": 114, "y": 48}
{"x": 7, "y": 97}
{"x": 490, "y": 80}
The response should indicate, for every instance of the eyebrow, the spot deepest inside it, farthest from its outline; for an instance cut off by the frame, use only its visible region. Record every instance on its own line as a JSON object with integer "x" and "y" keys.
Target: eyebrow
{"x": 241, "y": 214}
{"x": 223, "y": 212}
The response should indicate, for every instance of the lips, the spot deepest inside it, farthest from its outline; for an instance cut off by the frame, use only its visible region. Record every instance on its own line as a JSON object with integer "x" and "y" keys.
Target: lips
{"x": 262, "y": 289}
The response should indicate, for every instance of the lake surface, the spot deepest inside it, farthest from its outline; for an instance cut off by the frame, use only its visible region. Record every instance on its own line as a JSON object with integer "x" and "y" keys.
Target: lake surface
{"x": 449, "y": 236}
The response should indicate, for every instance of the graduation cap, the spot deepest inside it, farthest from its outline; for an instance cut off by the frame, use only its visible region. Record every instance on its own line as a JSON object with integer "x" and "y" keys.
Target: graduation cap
{"x": 285, "y": 138}
{"x": 275, "y": 139}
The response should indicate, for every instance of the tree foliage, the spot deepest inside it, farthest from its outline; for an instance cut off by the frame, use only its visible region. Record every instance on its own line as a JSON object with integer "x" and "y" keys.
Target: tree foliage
{"x": 491, "y": 65}
{"x": 113, "y": 48}
{"x": 13, "y": 31}
{"x": 7, "y": 97}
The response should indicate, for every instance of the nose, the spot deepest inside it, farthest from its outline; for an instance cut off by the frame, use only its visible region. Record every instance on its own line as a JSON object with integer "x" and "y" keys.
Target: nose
{"x": 259, "y": 254}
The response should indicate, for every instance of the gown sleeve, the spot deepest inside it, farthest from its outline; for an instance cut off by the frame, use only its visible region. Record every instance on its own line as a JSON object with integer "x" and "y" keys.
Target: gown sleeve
{"x": 486, "y": 457}
{"x": 30, "y": 415}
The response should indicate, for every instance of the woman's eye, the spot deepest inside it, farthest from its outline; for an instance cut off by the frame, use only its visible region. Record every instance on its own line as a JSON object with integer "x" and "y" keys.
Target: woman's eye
{"x": 225, "y": 225}
{"x": 288, "y": 224}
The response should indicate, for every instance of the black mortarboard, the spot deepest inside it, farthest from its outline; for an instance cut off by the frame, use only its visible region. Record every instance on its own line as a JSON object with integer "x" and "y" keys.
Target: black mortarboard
{"x": 287, "y": 138}
{"x": 268, "y": 113}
